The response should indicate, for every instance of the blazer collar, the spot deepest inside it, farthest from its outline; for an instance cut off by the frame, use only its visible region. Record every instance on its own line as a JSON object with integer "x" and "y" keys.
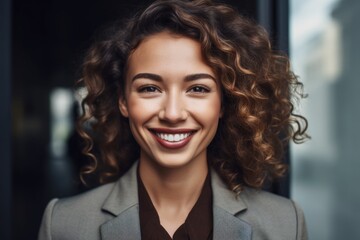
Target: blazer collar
{"x": 124, "y": 194}
{"x": 123, "y": 202}
{"x": 225, "y": 198}
{"x": 227, "y": 206}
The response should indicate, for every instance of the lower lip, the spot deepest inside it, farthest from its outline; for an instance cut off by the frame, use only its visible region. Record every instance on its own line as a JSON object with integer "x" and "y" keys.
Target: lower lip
{"x": 172, "y": 145}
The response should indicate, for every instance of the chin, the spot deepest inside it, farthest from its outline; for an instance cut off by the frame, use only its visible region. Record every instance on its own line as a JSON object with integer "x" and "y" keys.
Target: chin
{"x": 172, "y": 163}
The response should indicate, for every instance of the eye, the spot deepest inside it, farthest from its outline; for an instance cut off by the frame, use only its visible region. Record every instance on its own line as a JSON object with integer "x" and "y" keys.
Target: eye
{"x": 199, "y": 89}
{"x": 148, "y": 89}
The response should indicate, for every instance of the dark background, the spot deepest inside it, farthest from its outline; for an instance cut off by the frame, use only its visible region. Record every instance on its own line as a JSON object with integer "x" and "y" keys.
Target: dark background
{"x": 41, "y": 48}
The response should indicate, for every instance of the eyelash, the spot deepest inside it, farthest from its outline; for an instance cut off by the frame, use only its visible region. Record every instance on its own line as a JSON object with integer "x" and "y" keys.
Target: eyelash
{"x": 148, "y": 89}
{"x": 199, "y": 89}
{"x": 194, "y": 89}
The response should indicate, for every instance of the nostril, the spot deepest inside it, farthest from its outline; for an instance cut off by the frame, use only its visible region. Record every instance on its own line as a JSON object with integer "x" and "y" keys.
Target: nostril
{"x": 173, "y": 111}
{"x": 173, "y": 116}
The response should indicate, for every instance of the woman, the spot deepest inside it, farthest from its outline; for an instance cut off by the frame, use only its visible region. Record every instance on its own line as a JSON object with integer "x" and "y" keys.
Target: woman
{"x": 188, "y": 102}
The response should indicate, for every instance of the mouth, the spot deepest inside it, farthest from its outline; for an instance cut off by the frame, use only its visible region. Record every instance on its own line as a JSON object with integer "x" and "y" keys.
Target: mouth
{"x": 172, "y": 138}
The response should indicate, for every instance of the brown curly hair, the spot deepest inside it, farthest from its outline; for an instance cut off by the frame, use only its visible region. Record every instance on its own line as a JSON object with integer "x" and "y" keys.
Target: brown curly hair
{"x": 258, "y": 91}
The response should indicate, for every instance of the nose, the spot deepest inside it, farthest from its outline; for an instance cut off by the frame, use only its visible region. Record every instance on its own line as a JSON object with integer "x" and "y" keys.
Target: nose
{"x": 173, "y": 109}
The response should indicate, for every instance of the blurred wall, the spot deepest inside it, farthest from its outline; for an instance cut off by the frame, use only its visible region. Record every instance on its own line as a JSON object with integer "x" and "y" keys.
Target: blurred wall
{"x": 324, "y": 44}
{"x": 5, "y": 119}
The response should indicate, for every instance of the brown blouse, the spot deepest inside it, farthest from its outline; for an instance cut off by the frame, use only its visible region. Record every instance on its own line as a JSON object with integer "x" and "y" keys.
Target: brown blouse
{"x": 198, "y": 224}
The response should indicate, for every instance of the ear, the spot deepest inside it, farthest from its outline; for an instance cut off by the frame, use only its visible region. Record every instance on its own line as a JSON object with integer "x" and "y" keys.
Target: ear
{"x": 123, "y": 107}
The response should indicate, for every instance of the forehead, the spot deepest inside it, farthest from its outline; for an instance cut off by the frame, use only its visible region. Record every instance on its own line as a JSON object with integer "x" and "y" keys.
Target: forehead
{"x": 166, "y": 42}
{"x": 167, "y": 52}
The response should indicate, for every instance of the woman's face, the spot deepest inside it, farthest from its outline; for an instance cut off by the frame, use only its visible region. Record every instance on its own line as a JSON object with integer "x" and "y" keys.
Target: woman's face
{"x": 172, "y": 100}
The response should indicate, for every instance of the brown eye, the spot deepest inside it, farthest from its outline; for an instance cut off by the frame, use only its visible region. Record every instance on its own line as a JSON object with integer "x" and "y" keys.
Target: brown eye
{"x": 199, "y": 89}
{"x": 148, "y": 89}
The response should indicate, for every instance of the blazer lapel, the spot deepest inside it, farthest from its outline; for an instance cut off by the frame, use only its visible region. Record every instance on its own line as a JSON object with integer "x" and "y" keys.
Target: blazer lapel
{"x": 227, "y": 226}
{"x": 123, "y": 204}
{"x": 124, "y": 226}
{"x": 226, "y": 206}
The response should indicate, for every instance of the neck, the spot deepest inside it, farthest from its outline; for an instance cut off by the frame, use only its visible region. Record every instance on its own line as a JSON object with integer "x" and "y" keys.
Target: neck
{"x": 177, "y": 187}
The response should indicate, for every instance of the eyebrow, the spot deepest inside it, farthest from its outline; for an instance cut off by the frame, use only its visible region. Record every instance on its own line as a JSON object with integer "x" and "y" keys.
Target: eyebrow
{"x": 197, "y": 76}
{"x": 151, "y": 76}
{"x": 188, "y": 78}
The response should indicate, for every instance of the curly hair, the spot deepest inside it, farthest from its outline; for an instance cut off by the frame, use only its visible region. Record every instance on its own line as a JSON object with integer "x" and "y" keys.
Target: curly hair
{"x": 258, "y": 92}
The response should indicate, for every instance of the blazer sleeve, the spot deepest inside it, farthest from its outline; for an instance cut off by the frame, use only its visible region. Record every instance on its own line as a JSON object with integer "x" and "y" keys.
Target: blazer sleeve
{"x": 301, "y": 226}
{"x": 45, "y": 227}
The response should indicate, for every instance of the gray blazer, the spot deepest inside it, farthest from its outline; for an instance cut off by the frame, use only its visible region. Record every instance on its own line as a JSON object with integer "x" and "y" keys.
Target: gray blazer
{"x": 111, "y": 212}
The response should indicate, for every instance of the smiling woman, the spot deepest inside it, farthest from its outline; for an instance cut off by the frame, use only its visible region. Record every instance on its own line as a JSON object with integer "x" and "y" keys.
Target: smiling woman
{"x": 171, "y": 93}
{"x": 188, "y": 102}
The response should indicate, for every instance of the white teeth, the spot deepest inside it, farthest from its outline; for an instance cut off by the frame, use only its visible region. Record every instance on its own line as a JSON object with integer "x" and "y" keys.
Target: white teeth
{"x": 177, "y": 137}
{"x": 173, "y": 137}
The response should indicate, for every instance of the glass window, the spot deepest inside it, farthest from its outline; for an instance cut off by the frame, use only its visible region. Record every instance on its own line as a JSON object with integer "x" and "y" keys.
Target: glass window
{"x": 324, "y": 38}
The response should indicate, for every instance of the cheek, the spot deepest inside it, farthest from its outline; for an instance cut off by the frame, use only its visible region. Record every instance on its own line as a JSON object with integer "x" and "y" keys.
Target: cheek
{"x": 208, "y": 112}
{"x": 140, "y": 110}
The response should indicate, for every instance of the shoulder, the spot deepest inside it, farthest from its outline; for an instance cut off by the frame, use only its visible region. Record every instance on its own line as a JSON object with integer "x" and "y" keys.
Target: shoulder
{"x": 81, "y": 215}
{"x": 265, "y": 201}
{"x": 270, "y": 214}
{"x": 87, "y": 201}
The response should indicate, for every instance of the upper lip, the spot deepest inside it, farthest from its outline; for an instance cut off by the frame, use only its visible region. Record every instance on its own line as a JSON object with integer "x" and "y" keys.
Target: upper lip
{"x": 172, "y": 130}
